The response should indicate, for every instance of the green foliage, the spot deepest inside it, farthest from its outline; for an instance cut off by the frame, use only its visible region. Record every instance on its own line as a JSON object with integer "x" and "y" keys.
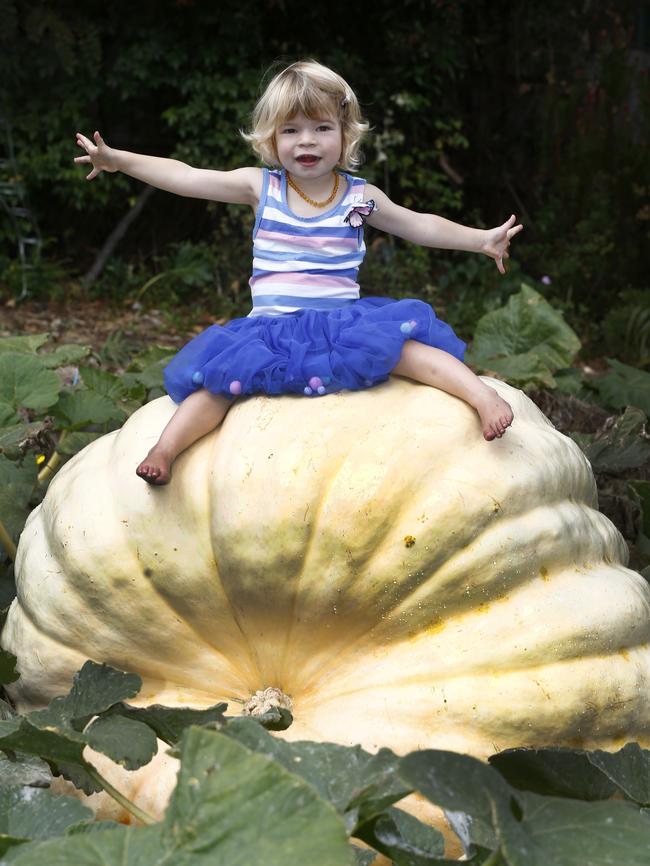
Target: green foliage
{"x": 525, "y": 342}
{"x": 295, "y": 802}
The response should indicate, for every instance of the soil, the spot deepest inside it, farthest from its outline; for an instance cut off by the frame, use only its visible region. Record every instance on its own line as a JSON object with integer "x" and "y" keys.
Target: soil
{"x": 95, "y": 323}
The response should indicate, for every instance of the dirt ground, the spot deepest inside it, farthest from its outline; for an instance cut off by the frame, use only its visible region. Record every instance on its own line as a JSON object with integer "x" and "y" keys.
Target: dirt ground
{"x": 95, "y": 322}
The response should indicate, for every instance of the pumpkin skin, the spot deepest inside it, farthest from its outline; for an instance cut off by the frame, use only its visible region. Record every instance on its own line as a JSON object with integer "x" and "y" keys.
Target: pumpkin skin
{"x": 405, "y": 582}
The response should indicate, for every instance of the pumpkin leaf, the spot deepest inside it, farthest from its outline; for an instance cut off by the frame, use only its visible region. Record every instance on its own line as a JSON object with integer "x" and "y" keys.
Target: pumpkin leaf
{"x": 624, "y": 386}
{"x": 13, "y": 439}
{"x": 24, "y": 770}
{"x": 553, "y": 772}
{"x": 68, "y": 353}
{"x": 29, "y": 344}
{"x": 168, "y": 723}
{"x": 251, "y": 811}
{"x": 32, "y": 813}
{"x": 61, "y": 747}
{"x": 359, "y": 785}
{"x": 75, "y": 440}
{"x": 126, "y": 846}
{"x": 16, "y": 488}
{"x": 628, "y": 769}
{"x": 400, "y": 836}
{"x": 103, "y": 382}
{"x": 538, "y": 831}
{"x": 620, "y": 447}
{"x": 152, "y": 376}
{"x": 95, "y": 688}
{"x": 24, "y": 382}
{"x": 641, "y": 491}
{"x": 76, "y": 409}
{"x": 363, "y": 856}
{"x": 525, "y": 340}
{"x": 8, "y": 672}
{"x": 150, "y": 355}
{"x": 8, "y": 415}
{"x": 125, "y": 741}
{"x": 458, "y": 784}
{"x": 91, "y": 827}
{"x": 56, "y": 732}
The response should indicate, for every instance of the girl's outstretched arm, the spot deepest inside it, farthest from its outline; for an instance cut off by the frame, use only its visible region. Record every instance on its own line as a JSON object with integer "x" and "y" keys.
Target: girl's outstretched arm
{"x": 430, "y": 230}
{"x": 241, "y": 186}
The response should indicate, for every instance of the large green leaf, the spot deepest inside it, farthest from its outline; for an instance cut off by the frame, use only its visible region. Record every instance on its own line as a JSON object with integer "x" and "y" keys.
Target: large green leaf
{"x": 170, "y": 722}
{"x": 95, "y": 688}
{"x": 56, "y": 733}
{"x": 359, "y": 785}
{"x": 555, "y": 772}
{"x": 624, "y": 386}
{"x": 525, "y": 340}
{"x": 407, "y": 841}
{"x": 24, "y": 770}
{"x": 32, "y": 813}
{"x": 620, "y": 447}
{"x": 16, "y": 488}
{"x": 125, "y": 846}
{"x": 8, "y": 415}
{"x": 76, "y": 409}
{"x": 125, "y": 741}
{"x": 17, "y": 437}
{"x": 556, "y": 832}
{"x": 24, "y": 382}
{"x": 628, "y": 769}
{"x": 462, "y": 786}
{"x": 103, "y": 382}
{"x": 69, "y": 353}
{"x": 231, "y": 807}
{"x": 8, "y": 672}
{"x": 29, "y": 344}
{"x": 249, "y": 808}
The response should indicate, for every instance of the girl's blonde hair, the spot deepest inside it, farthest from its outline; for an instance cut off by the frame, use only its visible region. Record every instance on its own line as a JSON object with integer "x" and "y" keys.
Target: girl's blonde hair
{"x": 317, "y": 92}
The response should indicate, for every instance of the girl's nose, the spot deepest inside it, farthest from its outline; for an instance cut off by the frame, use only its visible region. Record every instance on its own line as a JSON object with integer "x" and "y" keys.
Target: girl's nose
{"x": 306, "y": 137}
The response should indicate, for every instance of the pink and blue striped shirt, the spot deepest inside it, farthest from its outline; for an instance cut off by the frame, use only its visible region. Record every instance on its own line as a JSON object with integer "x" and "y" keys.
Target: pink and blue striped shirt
{"x": 304, "y": 262}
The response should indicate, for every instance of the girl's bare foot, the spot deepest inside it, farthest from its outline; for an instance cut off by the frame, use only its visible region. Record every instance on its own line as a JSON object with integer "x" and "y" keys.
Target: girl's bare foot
{"x": 494, "y": 412}
{"x": 156, "y": 467}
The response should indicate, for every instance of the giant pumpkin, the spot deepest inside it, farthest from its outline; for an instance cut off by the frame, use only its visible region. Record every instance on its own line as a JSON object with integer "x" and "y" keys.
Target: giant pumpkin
{"x": 403, "y": 582}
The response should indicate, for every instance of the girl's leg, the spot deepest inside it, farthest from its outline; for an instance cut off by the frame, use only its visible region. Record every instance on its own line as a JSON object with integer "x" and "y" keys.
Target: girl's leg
{"x": 197, "y": 415}
{"x": 440, "y": 369}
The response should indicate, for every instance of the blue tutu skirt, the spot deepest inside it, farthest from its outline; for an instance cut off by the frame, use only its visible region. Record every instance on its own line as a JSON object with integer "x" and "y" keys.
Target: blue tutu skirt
{"x": 311, "y": 352}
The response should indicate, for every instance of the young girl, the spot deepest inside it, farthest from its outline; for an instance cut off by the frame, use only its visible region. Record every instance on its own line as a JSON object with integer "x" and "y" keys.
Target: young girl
{"x": 308, "y": 332}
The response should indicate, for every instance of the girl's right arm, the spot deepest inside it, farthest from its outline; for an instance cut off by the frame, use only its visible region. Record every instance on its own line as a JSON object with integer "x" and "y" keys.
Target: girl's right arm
{"x": 241, "y": 186}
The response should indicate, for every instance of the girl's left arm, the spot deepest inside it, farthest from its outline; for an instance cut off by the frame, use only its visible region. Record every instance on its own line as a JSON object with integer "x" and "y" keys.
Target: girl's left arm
{"x": 430, "y": 230}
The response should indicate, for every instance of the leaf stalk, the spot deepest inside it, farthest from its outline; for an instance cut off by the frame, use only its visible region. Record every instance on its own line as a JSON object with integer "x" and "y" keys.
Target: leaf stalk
{"x": 130, "y": 807}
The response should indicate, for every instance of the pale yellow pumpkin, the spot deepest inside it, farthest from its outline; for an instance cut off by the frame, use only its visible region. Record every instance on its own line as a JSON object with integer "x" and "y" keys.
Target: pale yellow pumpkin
{"x": 406, "y": 583}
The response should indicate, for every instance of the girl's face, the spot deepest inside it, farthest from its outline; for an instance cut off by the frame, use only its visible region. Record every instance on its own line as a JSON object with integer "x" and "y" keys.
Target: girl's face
{"x": 309, "y": 148}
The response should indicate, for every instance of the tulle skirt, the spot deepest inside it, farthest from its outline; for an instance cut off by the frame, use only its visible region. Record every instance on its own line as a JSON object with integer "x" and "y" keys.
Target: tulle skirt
{"x": 309, "y": 352}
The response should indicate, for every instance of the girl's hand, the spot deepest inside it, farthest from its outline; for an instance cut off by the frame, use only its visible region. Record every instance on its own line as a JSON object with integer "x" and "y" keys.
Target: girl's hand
{"x": 496, "y": 242}
{"x": 99, "y": 154}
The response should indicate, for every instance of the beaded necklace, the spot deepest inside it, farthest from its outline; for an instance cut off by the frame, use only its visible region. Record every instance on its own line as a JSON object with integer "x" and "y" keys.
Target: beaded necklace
{"x": 311, "y": 201}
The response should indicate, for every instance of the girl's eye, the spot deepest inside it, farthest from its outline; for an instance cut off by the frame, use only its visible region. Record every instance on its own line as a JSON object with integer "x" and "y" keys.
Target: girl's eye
{"x": 324, "y": 128}
{"x": 288, "y": 129}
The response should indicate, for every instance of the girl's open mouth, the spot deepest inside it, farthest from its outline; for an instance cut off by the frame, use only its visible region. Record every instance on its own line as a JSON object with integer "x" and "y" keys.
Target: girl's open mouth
{"x": 308, "y": 160}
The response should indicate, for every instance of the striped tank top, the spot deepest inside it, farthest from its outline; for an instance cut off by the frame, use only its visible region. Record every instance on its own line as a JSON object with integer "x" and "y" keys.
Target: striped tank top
{"x": 304, "y": 262}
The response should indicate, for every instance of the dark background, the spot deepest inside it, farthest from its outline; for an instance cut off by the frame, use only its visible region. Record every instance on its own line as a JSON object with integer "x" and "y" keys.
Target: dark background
{"x": 479, "y": 109}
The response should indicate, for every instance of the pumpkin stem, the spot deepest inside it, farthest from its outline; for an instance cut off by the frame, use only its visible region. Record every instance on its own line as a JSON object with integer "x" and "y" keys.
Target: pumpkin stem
{"x": 134, "y": 810}
{"x": 266, "y": 699}
{"x": 53, "y": 463}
